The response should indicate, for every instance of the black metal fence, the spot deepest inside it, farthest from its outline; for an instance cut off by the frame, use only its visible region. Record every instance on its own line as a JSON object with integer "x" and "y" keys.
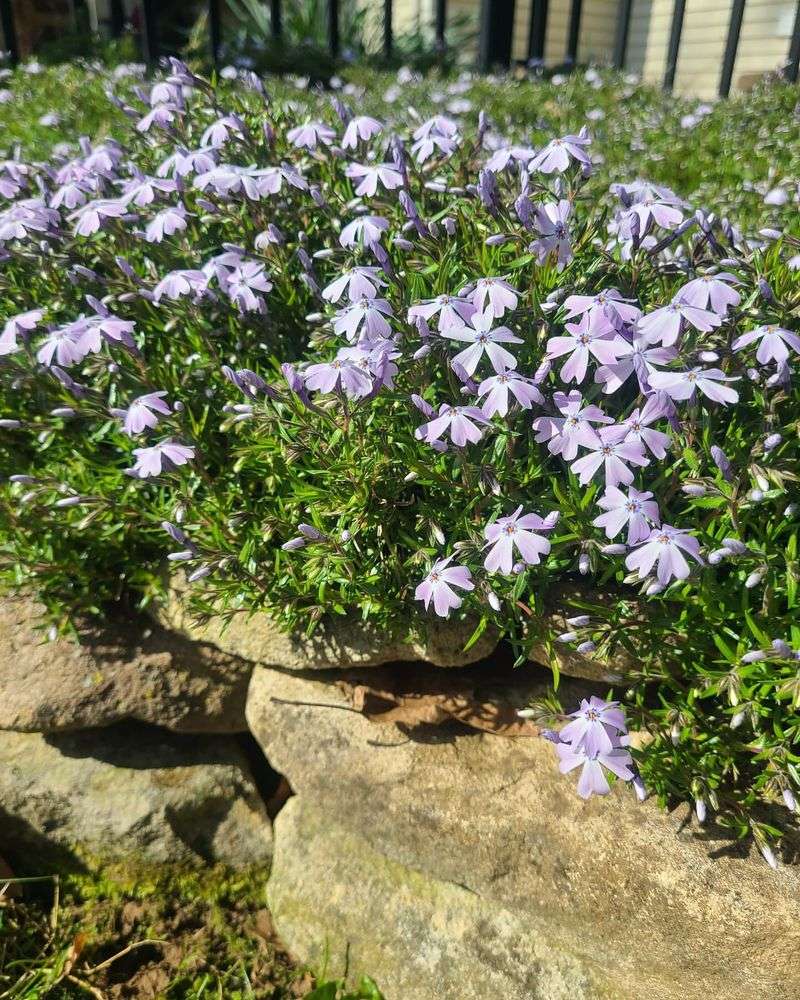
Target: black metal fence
{"x": 495, "y": 39}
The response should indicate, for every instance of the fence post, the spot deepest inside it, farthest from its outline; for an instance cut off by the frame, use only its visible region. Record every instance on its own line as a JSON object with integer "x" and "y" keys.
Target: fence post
{"x": 214, "y": 30}
{"x": 333, "y": 28}
{"x": 623, "y": 30}
{"x": 574, "y": 32}
{"x": 149, "y": 32}
{"x": 538, "y": 30}
{"x": 276, "y": 24}
{"x": 116, "y": 11}
{"x": 794, "y": 50}
{"x": 441, "y": 23}
{"x": 674, "y": 43}
{"x": 731, "y": 46}
{"x": 387, "y": 28}
{"x": 9, "y": 31}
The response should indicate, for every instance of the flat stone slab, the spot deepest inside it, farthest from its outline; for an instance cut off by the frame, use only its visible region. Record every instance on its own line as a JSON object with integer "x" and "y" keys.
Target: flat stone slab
{"x": 454, "y": 865}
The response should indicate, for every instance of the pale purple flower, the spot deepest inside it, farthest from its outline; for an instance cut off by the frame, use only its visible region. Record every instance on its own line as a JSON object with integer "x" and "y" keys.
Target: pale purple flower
{"x": 550, "y": 220}
{"x": 636, "y": 510}
{"x": 497, "y": 387}
{"x": 683, "y": 385}
{"x": 506, "y": 534}
{"x": 592, "y": 335}
{"x": 242, "y": 283}
{"x": 462, "y": 423}
{"x": 166, "y": 223}
{"x": 564, "y": 434}
{"x": 614, "y": 453}
{"x": 774, "y": 343}
{"x": 310, "y": 134}
{"x": 637, "y": 357}
{"x": 220, "y": 131}
{"x": 64, "y": 344}
{"x": 161, "y": 457}
{"x": 18, "y": 325}
{"x": 340, "y": 373}
{"x": 483, "y": 340}
{"x": 91, "y": 217}
{"x": 361, "y": 128}
{"x": 370, "y": 174}
{"x": 358, "y": 282}
{"x": 714, "y": 289}
{"x": 453, "y": 312}
{"x": 366, "y": 229}
{"x": 593, "y": 780}
{"x": 376, "y": 359}
{"x": 176, "y": 284}
{"x": 556, "y": 155}
{"x": 143, "y": 411}
{"x": 663, "y": 546}
{"x": 595, "y": 726}
{"x": 184, "y": 162}
{"x": 26, "y": 218}
{"x": 664, "y": 325}
{"x": 161, "y": 115}
{"x": 499, "y": 293}
{"x": 142, "y": 190}
{"x": 506, "y": 155}
{"x": 438, "y": 586}
{"x": 366, "y": 317}
{"x": 609, "y": 301}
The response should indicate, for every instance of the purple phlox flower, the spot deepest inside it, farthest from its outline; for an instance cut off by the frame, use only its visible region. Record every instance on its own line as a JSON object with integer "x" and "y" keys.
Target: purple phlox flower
{"x": 454, "y": 312}
{"x": 69, "y": 383}
{"x": 105, "y": 326}
{"x": 65, "y": 344}
{"x": 91, "y": 217}
{"x": 74, "y": 193}
{"x": 341, "y": 373}
{"x": 12, "y": 178}
{"x": 506, "y": 155}
{"x": 438, "y": 125}
{"x": 664, "y": 325}
{"x": 499, "y": 293}
{"x": 462, "y": 423}
{"x": 222, "y": 265}
{"x": 242, "y": 283}
{"x": 595, "y": 726}
{"x": 366, "y": 230}
{"x": 438, "y": 586}
{"x": 637, "y": 357}
{"x": 164, "y": 92}
{"x": 161, "y": 457}
{"x": 682, "y": 385}
{"x": 664, "y": 545}
{"x": 166, "y": 223}
{"x": 437, "y": 133}
{"x": 143, "y": 411}
{"x": 366, "y": 317}
{"x": 593, "y": 335}
{"x": 637, "y": 510}
{"x": 643, "y": 214}
{"x": 497, "y": 387}
{"x": 105, "y": 158}
{"x": 16, "y": 326}
{"x": 142, "y": 190}
{"x": 714, "y": 289}
{"x": 593, "y": 780}
{"x": 25, "y": 218}
{"x": 564, "y": 434}
{"x": 162, "y": 115}
{"x": 358, "y": 282}
{"x": 618, "y": 310}
{"x": 550, "y": 221}
{"x": 222, "y": 130}
{"x": 176, "y": 284}
{"x": 183, "y": 162}
{"x": 613, "y": 452}
{"x": 376, "y": 359}
{"x": 310, "y": 134}
{"x": 506, "y": 534}
{"x": 248, "y": 382}
{"x": 227, "y": 179}
{"x": 639, "y": 429}
{"x": 483, "y": 340}
{"x": 361, "y": 128}
{"x": 370, "y": 174}
{"x": 556, "y": 155}
{"x": 774, "y": 343}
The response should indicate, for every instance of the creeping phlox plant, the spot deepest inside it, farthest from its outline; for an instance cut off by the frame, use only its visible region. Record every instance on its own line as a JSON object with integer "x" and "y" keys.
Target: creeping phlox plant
{"x": 411, "y": 368}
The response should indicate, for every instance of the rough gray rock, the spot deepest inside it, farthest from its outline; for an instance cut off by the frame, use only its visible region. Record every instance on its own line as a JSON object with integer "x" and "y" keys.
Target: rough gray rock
{"x": 131, "y": 792}
{"x": 122, "y": 670}
{"x": 459, "y": 866}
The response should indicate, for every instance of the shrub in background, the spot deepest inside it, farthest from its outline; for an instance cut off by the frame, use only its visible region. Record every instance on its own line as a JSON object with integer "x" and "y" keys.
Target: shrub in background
{"x": 328, "y": 363}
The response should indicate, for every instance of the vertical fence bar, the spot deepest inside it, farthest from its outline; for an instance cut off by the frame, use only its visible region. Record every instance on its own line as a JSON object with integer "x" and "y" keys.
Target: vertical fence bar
{"x": 794, "y": 50}
{"x": 116, "y": 12}
{"x": 674, "y": 43}
{"x": 731, "y": 47}
{"x": 9, "y": 31}
{"x": 484, "y": 54}
{"x": 574, "y": 31}
{"x": 333, "y": 28}
{"x": 537, "y": 31}
{"x": 387, "y": 28}
{"x": 276, "y": 22}
{"x": 214, "y": 30}
{"x": 441, "y": 23}
{"x": 149, "y": 31}
{"x": 623, "y": 30}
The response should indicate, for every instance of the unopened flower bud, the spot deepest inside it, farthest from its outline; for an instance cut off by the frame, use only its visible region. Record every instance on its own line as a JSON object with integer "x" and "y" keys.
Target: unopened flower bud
{"x": 293, "y": 543}
{"x": 737, "y": 547}
{"x": 772, "y": 442}
{"x": 768, "y": 855}
{"x": 789, "y": 799}
{"x": 567, "y": 637}
{"x": 614, "y": 549}
{"x": 675, "y": 734}
{"x": 410, "y": 477}
{"x": 70, "y": 502}
{"x": 709, "y": 356}
{"x": 639, "y": 787}
{"x": 527, "y": 713}
{"x": 494, "y": 600}
{"x": 199, "y": 573}
{"x": 700, "y": 810}
{"x": 183, "y": 556}
{"x": 754, "y": 656}
{"x": 654, "y": 588}
{"x": 579, "y": 621}
{"x": 790, "y": 510}
{"x": 309, "y": 531}
{"x": 754, "y": 579}
{"x": 694, "y": 489}
{"x": 345, "y": 535}
{"x": 756, "y": 496}
{"x": 781, "y": 648}
{"x": 736, "y": 720}
{"x": 586, "y": 647}
{"x": 10, "y": 425}
{"x": 716, "y": 557}
{"x": 402, "y": 244}
{"x": 583, "y": 563}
